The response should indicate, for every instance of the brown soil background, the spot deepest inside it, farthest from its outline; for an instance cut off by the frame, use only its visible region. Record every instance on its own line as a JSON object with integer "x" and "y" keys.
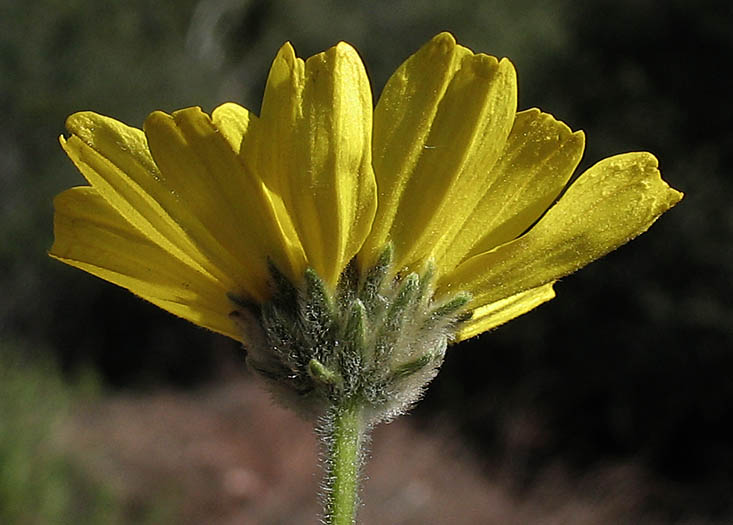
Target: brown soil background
{"x": 226, "y": 455}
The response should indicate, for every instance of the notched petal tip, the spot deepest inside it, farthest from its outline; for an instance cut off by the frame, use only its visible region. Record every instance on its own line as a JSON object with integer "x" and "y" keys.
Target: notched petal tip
{"x": 341, "y": 57}
{"x": 506, "y": 67}
{"x": 194, "y": 121}
{"x": 482, "y": 66}
{"x": 185, "y": 113}
{"x": 440, "y": 45}
{"x": 542, "y": 118}
{"x": 670, "y": 196}
{"x": 644, "y": 167}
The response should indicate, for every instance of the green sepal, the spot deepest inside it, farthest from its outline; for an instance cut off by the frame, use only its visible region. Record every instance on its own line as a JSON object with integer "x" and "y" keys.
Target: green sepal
{"x": 404, "y": 298}
{"x": 449, "y": 309}
{"x": 317, "y": 312}
{"x": 317, "y": 297}
{"x": 348, "y": 284}
{"x": 394, "y": 318}
{"x": 375, "y": 278}
{"x": 321, "y": 373}
{"x": 355, "y": 332}
{"x": 424, "y": 291}
{"x": 353, "y": 355}
{"x": 276, "y": 324}
{"x": 409, "y": 368}
{"x": 373, "y": 342}
{"x": 284, "y": 292}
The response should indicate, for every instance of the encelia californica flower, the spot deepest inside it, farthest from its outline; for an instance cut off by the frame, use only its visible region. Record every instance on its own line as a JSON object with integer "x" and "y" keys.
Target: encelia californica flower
{"x": 346, "y": 244}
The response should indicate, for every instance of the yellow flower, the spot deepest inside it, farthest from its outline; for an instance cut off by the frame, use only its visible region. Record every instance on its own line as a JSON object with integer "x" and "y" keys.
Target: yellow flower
{"x": 195, "y": 210}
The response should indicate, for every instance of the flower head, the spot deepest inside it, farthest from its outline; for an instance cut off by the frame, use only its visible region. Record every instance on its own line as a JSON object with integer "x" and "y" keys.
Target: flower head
{"x": 433, "y": 216}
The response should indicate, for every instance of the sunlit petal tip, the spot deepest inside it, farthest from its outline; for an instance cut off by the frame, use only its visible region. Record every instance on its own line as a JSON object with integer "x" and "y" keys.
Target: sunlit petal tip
{"x": 286, "y": 53}
{"x": 482, "y": 66}
{"x": 188, "y": 113}
{"x": 673, "y": 196}
{"x": 333, "y": 60}
{"x": 541, "y": 116}
{"x": 608, "y": 205}
{"x": 444, "y": 41}
{"x": 285, "y": 62}
{"x": 228, "y": 107}
{"x": 566, "y": 134}
{"x": 506, "y": 67}
{"x": 156, "y": 118}
{"x": 194, "y": 122}
{"x": 81, "y": 121}
{"x": 641, "y": 167}
{"x": 438, "y": 50}
{"x": 95, "y": 130}
{"x": 344, "y": 49}
{"x": 235, "y": 122}
{"x": 343, "y": 64}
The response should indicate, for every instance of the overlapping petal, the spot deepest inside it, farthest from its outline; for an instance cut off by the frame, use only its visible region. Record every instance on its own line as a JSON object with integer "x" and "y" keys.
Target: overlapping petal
{"x": 204, "y": 174}
{"x": 183, "y": 199}
{"x": 612, "y": 202}
{"x": 439, "y": 127}
{"x": 314, "y": 149}
{"x": 115, "y": 159}
{"x": 491, "y": 315}
{"x": 195, "y": 207}
{"x": 537, "y": 161}
{"x": 91, "y": 235}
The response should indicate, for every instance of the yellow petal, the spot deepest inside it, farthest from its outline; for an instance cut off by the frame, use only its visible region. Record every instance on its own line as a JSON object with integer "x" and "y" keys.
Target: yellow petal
{"x": 233, "y": 122}
{"x": 114, "y": 158}
{"x": 314, "y": 149}
{"x": 240, "y": 128}
{"x": 538, "y": 159}
{"x": 93, "y": 236}
{"x": 272, "y": 150}
{"x": 233, "y": 207}
{"x": 439, "y": 127}
{"x": 499, "y": 312}
{"x": 612, "y": 202}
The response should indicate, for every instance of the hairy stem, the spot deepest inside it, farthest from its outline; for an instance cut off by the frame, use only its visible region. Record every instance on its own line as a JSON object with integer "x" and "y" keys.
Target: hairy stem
{"x": 344, "y": 434}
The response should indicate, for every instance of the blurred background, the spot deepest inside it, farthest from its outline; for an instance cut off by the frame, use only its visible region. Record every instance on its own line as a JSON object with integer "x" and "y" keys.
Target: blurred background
{"x": 609, "y": 404}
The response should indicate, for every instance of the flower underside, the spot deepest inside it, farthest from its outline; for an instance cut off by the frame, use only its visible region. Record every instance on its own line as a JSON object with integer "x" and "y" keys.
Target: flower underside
{"x": 375, "y": 343}
{"x": 346, "y": 244}
{"x": 196, "y": 209}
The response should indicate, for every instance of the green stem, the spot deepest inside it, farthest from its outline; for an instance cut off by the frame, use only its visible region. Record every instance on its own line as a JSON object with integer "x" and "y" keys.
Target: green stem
{"x": 344, "y": 432}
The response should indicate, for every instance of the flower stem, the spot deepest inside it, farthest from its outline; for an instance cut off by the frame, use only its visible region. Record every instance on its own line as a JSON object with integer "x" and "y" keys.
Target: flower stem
{"x": 344, "y": 434}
